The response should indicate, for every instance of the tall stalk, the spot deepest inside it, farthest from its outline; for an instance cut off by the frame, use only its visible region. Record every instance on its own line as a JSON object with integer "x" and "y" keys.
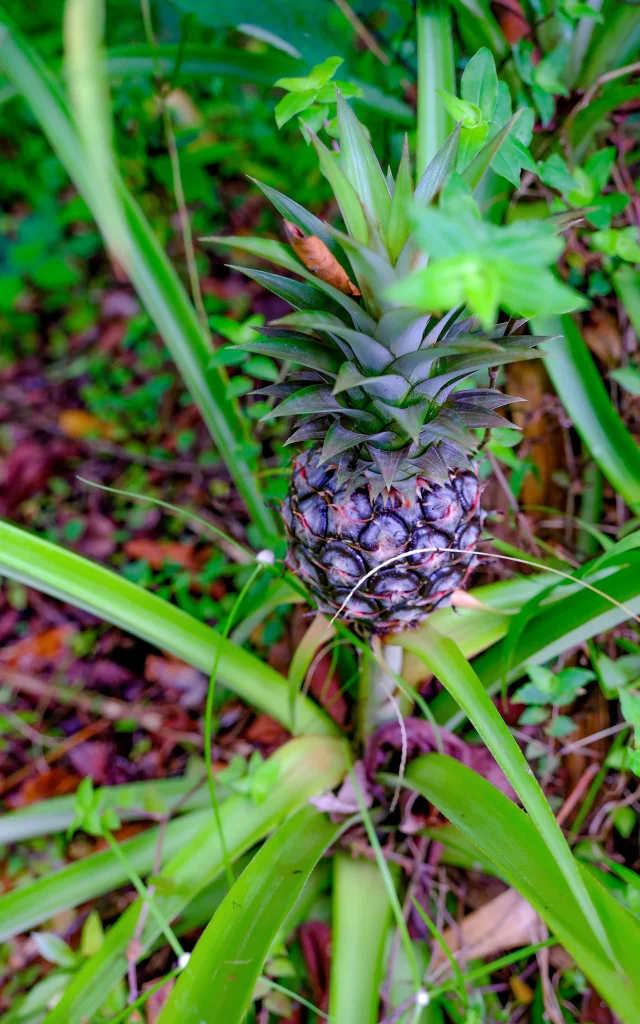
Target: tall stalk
{"x": 377, "y": 687}
{"x": 436, "y": 70}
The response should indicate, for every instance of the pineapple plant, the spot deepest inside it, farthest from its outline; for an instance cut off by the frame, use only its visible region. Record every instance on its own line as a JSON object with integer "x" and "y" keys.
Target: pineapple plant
{"x": 385, "y": 497}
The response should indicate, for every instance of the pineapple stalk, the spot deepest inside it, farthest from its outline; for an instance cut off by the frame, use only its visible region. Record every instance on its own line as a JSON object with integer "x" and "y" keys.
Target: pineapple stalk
{"x": 436, "y": 70}
{"x": 376, "y": 686}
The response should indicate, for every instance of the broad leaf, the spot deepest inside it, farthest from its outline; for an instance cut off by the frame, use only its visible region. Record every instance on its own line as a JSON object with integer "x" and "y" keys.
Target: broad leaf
{"x": 479, "y": 83}
{"x": 293, "y": 103}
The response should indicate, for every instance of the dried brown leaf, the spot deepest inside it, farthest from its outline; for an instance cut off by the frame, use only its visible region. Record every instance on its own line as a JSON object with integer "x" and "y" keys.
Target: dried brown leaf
{"x": 603, "y": 336}
{"x": 512, "y": 20}
{"x": 317, "y": 258}
{"x": 521, "y": 991}
{"x": 158, "y": 553}
{"x": 267, "y": 732}
{"x": 79, "y": 423}
{"x": 57, "y": 781}
{"x": 506, "y": 922}
{"x": 176, "y": 674}
{"x": 40, "y": 649}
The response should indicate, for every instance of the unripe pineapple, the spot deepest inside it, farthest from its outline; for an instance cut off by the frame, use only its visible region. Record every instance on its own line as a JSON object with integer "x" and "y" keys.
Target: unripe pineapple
{"x": 387, "y": 468}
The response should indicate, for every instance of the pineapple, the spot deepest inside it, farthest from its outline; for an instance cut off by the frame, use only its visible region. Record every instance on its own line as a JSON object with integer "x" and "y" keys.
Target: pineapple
{"x": 385, "y": 491}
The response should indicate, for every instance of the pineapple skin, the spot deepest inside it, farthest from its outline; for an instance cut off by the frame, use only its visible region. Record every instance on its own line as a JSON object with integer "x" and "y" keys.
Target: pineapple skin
{"x": 337, "y": 535}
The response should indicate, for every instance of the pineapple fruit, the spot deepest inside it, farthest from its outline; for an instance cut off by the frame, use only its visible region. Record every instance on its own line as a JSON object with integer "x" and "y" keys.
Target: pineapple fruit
{"x": 385, "y": 491}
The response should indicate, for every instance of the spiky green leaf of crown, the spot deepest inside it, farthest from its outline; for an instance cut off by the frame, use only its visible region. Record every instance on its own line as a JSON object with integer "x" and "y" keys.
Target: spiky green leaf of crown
{"x": 380, "y": 382}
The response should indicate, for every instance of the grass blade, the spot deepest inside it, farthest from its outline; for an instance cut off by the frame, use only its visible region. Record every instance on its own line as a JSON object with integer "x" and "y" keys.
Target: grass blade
{"x": 508, "y": 837}
{"x": 579, "y": 385}
{"x": 305, "y": 767}
{"x": 70, "y": 577}
{"x": 446, "y": 661}
{"x": 149, "y": 268}
{"x": 218, "y": 982}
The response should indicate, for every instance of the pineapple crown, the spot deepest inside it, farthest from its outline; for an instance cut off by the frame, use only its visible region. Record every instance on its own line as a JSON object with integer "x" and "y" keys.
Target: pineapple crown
{"x": 382, "y": 365}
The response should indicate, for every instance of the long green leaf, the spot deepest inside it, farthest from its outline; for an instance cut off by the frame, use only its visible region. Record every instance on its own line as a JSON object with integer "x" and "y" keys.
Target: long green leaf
{"x": 70, "y": 577}
{"x": 613, "y": 44}
{"x": 475, "y": 629}
{"x": 297, "y": 294}
{"x": 476, "y": 170}
{"x": 150, "y": 270}
{"x": 218, "y": 982}
{"x": 561, "y": 625}
{"x": 446, "y": 661}
{"x": 280, "y": 254}
{"x": 439, "y": 168}
{"x": 86, "y": 879}
{"x": 361, "y": 167}
{"x": 479, "y": 27}
{"x": 346, "y": 195}
{"x": 587, "y": 121}
{"x": 303, "y": 768}
{"x": 508, "y": 837}
{"x": 399, "y": 224}
{"x": 579, "y": 385}
{"x": 133, "y": 800}
{"x": 307, "y": 222}
{"x": 242, "y": 66}
{"x": 195, "y": 59}
{"x": 360, "y": 921}
{"x": 626, "y": 281}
